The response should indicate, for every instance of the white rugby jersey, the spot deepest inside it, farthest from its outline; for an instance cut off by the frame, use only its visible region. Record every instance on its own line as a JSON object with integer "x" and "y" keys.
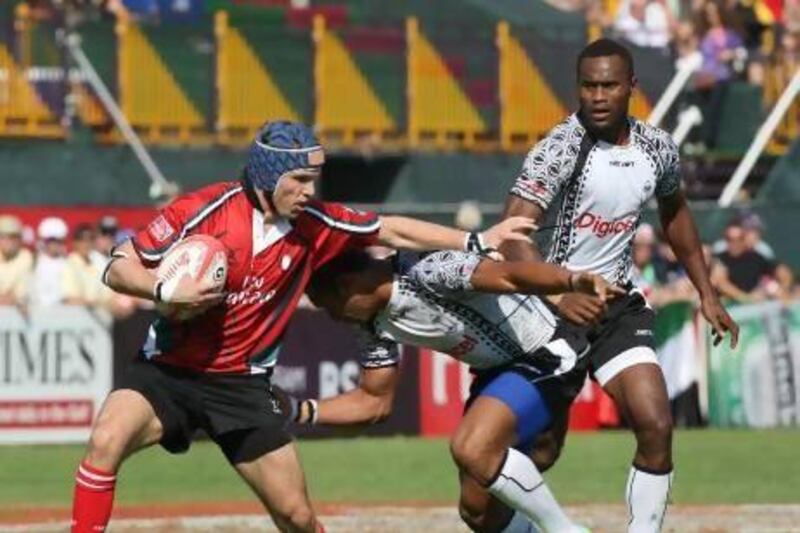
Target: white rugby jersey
{"x": 603, "y": 189}
{"x": 432, "y": 306}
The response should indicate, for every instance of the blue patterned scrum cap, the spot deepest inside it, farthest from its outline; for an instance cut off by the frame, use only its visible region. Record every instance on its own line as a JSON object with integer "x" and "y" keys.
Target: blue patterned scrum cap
{"x": 281, "y": 147}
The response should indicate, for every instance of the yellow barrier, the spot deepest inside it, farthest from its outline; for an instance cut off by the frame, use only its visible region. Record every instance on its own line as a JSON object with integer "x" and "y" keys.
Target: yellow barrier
{"x": 151, "y": 98}
{"x": 346, "y": 105}
{"x": 438, "y": 109}
{"x": 528, "y": 107}
{"x": 22, "y": 112}
{"x": 776, "y": 79}
{"x": 246, "y": 93}
{"x": 640, "y": 106}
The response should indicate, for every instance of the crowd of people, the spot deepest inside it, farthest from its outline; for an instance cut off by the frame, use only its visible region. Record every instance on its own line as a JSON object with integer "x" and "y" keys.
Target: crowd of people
{"x": 753, "y": 40}
{"x": 54, "y": 265}
{"x": 744, "y": 267}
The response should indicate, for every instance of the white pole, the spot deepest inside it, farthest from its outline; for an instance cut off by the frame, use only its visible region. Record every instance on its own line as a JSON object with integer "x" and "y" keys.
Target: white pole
{"x": 687, "y": 120}
{"x": 760, "y": 141}
{"x": 686, "y": 67}
{"x": 159, "y": 185}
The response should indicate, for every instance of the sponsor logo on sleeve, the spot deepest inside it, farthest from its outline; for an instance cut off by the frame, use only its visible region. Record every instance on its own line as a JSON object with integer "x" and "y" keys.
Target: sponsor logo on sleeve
{"x": 160, "y": 229}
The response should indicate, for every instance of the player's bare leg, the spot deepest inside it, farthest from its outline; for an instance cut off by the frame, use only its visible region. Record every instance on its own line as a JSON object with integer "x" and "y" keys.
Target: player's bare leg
{"x": 640, "y": 394}
{"x": 278, "y": 481}
{"x": 483, "y": 512}
{"x": 548, "y": 445}
{"x": 126, "y": 424}
{"x": 482, "y": 450}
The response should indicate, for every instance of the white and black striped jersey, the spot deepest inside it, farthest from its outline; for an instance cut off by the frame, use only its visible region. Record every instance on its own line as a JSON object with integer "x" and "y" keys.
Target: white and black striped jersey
{"x": 432, "y": 306}
{"x": 601, "y": 190}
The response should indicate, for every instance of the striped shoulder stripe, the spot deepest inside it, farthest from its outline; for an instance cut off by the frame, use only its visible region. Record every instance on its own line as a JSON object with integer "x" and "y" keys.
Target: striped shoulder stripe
{"x": 366, "y": 227}
{"x": 196, "y": 219}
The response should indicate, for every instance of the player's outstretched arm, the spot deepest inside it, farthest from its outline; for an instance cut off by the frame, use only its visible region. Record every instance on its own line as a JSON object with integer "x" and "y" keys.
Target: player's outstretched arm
{"x": 681, "y": 233}
{"x": 536, "y": 277}
{"x": 412, "y": 234}
{"x": 369, "y": 403}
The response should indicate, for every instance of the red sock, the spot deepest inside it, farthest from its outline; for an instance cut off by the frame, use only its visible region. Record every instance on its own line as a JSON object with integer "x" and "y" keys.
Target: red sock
{"x": 94, "y": 496}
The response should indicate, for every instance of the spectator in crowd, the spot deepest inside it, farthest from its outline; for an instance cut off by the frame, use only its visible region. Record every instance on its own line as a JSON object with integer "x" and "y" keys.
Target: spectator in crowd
{"x": 645, "y": 23}
{"x": 80, "y": 280}
{"x": 722, "y": 50}
{"x": 469, "y": 216}
{"x": 663, "y": 280}
{"x": 791, "y": 17}
{"x": 686, "y": 42}
{"x": 106, "y": 236}
{"x": 753, "y": 228}
{"x": 16, "y": 262}
{"x": 743, "y": 274}
{"x": 50, "y": 262}
{"x": 644, "y": 273}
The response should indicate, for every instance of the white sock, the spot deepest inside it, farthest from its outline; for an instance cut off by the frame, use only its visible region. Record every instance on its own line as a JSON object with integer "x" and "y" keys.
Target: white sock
{"x": 520, "y": 524}
{"x": 647, "y": 495}
{"x": 520, "y": 486}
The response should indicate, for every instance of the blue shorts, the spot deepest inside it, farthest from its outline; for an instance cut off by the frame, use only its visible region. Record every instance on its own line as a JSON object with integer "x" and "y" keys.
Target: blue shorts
{"x": 535, "y": 388}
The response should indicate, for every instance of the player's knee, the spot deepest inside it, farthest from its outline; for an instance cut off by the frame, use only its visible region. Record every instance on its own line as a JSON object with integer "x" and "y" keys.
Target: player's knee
{"x": 106, "y": 448}
{"x": 544, "y": 457}
{"x": 474, "y": 518}
{"x": 475, "y": 455}
{"x": 654, "y": 431}
{"x": 298, "y": 516}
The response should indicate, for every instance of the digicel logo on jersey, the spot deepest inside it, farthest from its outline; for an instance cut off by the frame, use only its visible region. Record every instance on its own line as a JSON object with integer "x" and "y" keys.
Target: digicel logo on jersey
{"x": 602, "y": 227}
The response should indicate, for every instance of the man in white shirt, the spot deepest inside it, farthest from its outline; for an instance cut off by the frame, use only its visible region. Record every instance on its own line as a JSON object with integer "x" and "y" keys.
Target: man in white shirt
{"x": 50, "y": 262}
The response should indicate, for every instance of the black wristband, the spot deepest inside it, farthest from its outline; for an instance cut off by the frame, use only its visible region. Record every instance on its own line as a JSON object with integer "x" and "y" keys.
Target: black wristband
{"x": 474, "y": 244}
{"x": 157, "y": 291}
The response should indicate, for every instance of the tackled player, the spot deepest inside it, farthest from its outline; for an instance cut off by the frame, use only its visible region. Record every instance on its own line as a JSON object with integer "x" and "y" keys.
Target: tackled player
{"x": 528, "y": 363}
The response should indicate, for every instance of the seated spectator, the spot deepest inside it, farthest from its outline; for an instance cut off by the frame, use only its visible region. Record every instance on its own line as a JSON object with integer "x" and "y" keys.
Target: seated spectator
{"x": 686, "y": 42}
{"x": 791, "y": 17}
{"x": 753, "y": 228}
{"x": 644, "y": 273}
{"x": 80, "y": 280}
{"x": 645, "y": 23}
{"x": 743, "y": 274}
{"x": 722, "y": 50}
{"x": 50, "y": 262}
{"x": 106, "y": 236}
{"x": 16, "y": 262}
{"x": 658, "y": 272}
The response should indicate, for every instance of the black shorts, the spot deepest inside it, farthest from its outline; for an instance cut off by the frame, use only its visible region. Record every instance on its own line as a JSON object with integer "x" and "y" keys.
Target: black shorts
{"x": 623, "y": 338}
{"x": 558, "y": 386}
{"x": 239, "y": 412}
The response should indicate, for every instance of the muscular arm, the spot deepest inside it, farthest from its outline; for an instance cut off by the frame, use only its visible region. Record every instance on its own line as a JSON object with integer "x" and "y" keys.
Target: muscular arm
{"x": 681, "y": 233}
{"x": 524, "y": 277}
{"x": 519, "y": 250}
{"x": 369, "y": 403}
{"x": 411, "y": 234}
{"x": 127, "y": 274}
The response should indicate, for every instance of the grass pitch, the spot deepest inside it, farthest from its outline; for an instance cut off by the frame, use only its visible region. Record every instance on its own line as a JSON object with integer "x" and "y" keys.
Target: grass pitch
{"x": 713, "y": 467}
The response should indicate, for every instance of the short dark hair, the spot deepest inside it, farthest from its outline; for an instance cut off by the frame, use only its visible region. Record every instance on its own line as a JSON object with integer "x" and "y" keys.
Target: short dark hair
{"x": 326, "y": 278}
{"x": 604, "y": 48}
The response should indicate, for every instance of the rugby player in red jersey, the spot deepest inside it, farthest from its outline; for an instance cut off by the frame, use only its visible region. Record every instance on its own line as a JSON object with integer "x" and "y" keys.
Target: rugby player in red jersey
{"x": 213, "y": 372}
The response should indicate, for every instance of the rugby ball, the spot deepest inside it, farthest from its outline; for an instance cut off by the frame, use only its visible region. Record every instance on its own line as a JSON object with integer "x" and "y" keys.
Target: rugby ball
{"x": 200, "y": 258}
